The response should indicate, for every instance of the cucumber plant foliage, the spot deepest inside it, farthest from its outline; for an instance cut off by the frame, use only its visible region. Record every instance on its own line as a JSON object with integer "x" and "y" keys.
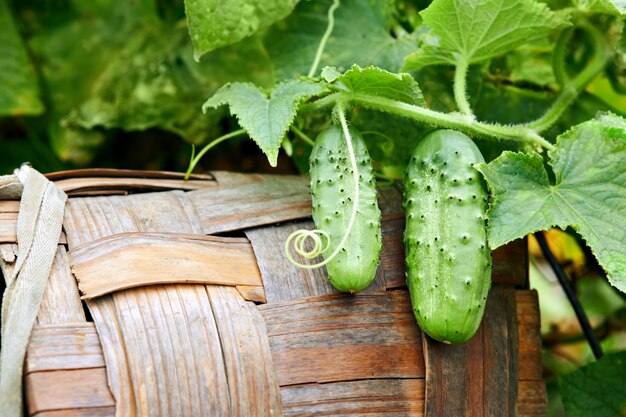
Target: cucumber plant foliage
{"x": 399, "y": 71}
{"x": 583, "y": 183}
{"x": 538, "y": 180}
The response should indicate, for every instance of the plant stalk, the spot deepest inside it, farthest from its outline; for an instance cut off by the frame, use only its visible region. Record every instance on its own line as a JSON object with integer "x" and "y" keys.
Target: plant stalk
{"x": 324, "y": 40}
{"x": 576, "y": 85}
{"x": 208, "y": 147}
{"x": 460, "y": 89}
{"x": 421, "y": 114}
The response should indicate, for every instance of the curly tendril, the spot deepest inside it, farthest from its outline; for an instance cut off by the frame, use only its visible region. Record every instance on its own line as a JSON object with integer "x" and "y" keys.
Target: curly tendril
{"x": 299, "y": 238}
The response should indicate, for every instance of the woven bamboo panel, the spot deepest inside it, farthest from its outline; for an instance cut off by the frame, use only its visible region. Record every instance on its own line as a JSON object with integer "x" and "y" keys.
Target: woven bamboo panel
{"x": 192, "y": 310}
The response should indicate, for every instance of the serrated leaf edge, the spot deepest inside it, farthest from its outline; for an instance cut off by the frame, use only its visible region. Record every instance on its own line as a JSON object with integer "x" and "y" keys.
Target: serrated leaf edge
{"x": 493, "y": 246}
{"x": 272, "y": 153}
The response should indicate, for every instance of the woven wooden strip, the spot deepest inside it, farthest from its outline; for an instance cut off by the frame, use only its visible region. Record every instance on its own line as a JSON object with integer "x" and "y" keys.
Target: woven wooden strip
{"x": 477, "y": 378}
{"x": 344, "y": 337}
{"x": 105, "y": 186}
{"x": 117, "y": 370}
{"x": 157, "y": 258}
{"x": 65, "y": 372}
{"x": 392, "y": 256}
{"x": 8, "y": 226}
{"x": 243, "y": 201}
{"x": 80, "y": 412}
{"x": 9, "y": 206}
{"x": 67, "y": 389}
{"x": 500, "y": 347}
{"x": 186, "y": 350}
{"x": 91, "y": 218}
{"x": 63, "y": 346}
{"x": 371, "y": 398}
{"x": 529, "y": 331}
{"x": 532, "y": 399}
{"x": 168, "y": 371}
{"x": 61, "y": 302}
{"x": 250, "y": 371}
{"x": 108, "y": 181}
{"x": 129, "y": 174}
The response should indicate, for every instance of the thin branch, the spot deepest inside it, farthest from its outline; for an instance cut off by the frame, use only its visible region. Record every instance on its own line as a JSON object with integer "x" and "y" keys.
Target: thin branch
{"x": 571, "y": 295}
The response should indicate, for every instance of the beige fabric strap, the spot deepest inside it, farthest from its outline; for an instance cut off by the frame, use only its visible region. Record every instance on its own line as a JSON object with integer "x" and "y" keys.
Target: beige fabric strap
{"x": 38, "y": 230}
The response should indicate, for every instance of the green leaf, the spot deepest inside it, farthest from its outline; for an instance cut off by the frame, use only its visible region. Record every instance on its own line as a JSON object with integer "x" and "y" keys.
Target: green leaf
{"x": 587, "y": 194}
{"x": 362, "y": 36}
{"x": 19, "y": 91}
{"x": 378, "y": 82}
{"x": 266, "y": 118}
{"x": 216, "y": 23}
{"x": 597, "y": 389}
{"x": 614, "y": 7}
{"x": 475, "y": 30}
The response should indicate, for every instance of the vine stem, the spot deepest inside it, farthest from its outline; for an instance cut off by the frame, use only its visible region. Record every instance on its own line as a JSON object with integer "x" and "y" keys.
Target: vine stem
{"x": 324, "y": 40}
{"x": 462, "y": 123}
{"x": 558, "y": 57}
{"x": 460, "y": 89}
{"x": 299, "y": 236}
{"x": 572, "y": 88}
{"x": 194, "y": 160}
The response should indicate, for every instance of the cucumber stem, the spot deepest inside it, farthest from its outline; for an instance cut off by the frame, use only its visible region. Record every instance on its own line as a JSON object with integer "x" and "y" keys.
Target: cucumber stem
{"x": 460, "y": 89}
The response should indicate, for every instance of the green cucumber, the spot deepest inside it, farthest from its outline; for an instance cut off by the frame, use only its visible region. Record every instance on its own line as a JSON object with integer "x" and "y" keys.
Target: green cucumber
{"x": 447, "y": 257}
{"x": 333, "y": 193}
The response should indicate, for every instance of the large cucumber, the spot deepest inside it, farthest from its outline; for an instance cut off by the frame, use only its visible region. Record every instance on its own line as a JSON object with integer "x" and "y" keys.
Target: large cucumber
{"x": 332, "y": 191}
{"x": 447, "y": 256}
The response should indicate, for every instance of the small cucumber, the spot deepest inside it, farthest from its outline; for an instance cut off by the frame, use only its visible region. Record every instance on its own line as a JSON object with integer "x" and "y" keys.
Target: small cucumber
{"x": 333, "y": 191}
{"x": 447, "y": 256}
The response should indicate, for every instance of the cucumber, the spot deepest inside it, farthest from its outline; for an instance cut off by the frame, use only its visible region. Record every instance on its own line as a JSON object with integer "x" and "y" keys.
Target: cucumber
{"x": 447, "y": 257}
{"x": 332, "y": 191}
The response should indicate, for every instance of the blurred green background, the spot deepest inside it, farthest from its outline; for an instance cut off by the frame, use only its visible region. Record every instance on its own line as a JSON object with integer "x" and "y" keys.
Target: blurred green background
{"x": 113, "y": 84}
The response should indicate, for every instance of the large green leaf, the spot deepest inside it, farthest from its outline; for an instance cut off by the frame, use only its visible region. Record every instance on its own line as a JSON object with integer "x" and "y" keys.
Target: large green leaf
{"x": 589, "y": 192}
{"x": 597, "y": 389}
{"x": 216, "y": 23}
{"x": 266, "y": 118}
{"x": 19, "y": 91}
{"x": 362, "y": 36}
{"x": 378, "y": 82}
{"x": 474, "y": 30}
